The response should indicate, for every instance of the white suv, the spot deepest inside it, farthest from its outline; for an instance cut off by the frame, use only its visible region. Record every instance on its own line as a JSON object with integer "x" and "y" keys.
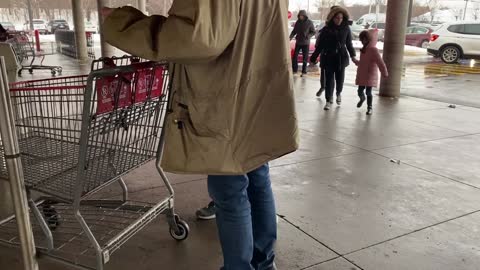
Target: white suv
{"x": 454, "y": 41}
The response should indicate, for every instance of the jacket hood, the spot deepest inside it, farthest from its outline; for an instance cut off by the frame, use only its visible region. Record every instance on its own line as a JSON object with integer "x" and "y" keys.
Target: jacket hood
{"x": 373, "y": 37}
{"x": 334, "y": 11}
{"x": 302, "y": 13}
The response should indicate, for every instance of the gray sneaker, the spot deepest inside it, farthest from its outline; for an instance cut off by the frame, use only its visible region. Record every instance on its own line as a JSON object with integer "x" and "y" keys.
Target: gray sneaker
{"x": 206, "y": 213}
{"x": 320, "y": 92}
{"x": 339, "y": 100}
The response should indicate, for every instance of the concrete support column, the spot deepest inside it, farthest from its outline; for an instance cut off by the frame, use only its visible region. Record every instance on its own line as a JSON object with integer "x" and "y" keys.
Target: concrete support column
{"x": 30, "y": 14}
{"x": 14, "y": 168}
{"x": 142, "y": 6}
{"x": 107, "y": 49}
{"x": 79, "y": 25}
{"x": 394, "y": 47}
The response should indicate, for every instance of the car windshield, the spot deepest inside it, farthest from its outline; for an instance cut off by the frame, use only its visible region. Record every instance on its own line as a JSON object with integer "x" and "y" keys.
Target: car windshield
{"x": 6, "y": 24}
{"x": 38, "y": 22}
{"x": 60, "y": 21}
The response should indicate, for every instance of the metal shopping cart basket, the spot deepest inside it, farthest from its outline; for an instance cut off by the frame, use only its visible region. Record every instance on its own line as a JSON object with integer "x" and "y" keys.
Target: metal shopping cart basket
{"x": 77, "y": 135}
{"x": 25, "y": 52}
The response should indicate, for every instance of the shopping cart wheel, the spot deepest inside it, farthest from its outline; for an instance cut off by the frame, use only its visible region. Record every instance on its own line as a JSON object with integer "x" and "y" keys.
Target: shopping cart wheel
{"x": 51, "y": 216}
{"x": 182, "y": 234}
{"x": 54, "y": 72}
{"x": 30, "y": 70}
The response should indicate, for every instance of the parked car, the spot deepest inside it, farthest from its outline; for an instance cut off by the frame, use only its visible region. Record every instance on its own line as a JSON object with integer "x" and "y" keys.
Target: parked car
{"x": 8, "y": 26}
{"x": 418, "y": 36}
{"x": 365, "y": 21}
{"x": 300, "y": 56}
{"x": 455, "y": 41}
{"x": 55, "y": 25}
{"x": 38, "y": 24}
{"x": 318, "y": 24}
{"x": 90, "y": 27}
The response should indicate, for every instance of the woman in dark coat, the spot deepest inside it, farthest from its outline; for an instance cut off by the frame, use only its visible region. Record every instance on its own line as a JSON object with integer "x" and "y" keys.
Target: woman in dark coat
{"x": 335, "y": 47}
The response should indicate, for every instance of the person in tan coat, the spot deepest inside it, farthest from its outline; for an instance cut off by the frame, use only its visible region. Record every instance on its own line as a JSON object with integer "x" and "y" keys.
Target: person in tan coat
{"x": 232, "y": 107}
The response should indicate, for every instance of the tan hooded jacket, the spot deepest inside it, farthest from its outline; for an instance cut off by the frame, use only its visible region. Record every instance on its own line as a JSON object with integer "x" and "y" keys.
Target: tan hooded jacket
{"x": 232, "y": 102}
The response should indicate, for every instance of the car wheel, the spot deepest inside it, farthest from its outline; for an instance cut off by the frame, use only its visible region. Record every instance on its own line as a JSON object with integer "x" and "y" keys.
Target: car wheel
{"x": 450, "y": 54}
{"x": 424, "y": 44}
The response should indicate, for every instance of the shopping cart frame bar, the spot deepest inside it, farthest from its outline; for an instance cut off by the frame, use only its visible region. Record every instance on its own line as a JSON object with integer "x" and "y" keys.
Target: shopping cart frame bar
{"x": 14, "y": 167}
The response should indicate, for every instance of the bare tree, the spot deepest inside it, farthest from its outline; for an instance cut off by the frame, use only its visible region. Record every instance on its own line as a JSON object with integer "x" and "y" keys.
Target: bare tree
{"x": 458, "y": 13}
{"x": 325, "y": 5}
{"x": 476, "y": 11}
{"x": 419, "y": 8}
{"x": 433, "y": 6}
{"x": 89, "y": 6}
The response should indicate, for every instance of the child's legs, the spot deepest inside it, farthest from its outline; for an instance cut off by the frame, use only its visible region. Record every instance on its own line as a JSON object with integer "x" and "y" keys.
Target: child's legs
{"x": 369, "y": 96}
{"x": 361, "y": 92}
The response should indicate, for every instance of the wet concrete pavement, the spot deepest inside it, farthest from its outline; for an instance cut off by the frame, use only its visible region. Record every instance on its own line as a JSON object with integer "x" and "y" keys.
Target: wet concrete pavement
{"x": 397, "y": 190}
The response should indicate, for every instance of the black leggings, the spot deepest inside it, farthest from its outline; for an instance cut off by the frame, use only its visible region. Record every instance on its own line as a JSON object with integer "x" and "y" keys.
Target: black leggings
{"x": 305, "y": 51}
{"x": 333, "y": 77}
{"x": 361, "y": 94}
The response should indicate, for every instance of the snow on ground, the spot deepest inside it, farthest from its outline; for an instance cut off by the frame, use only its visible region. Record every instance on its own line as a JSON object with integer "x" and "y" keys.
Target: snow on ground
{"x": 409, "y": 50}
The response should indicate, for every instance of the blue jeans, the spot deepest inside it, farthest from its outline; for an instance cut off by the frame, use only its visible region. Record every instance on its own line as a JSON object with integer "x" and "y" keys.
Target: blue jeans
{"x": 246, "y": 219}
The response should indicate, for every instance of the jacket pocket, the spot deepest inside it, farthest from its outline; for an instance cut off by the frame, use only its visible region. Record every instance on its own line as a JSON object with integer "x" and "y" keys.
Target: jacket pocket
{"x": 204, "y": 118}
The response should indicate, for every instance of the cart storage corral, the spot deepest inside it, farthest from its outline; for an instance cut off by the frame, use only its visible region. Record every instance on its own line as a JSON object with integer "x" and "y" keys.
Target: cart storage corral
{"x": 80, "y": 134}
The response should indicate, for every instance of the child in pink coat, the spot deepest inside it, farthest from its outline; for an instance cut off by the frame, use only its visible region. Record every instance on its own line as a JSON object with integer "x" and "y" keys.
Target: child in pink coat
{"x": 367, "y": 71}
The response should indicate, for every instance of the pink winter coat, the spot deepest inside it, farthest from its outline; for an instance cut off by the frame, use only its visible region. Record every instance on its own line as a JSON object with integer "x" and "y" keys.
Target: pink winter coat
{"x": 370, "y": 62}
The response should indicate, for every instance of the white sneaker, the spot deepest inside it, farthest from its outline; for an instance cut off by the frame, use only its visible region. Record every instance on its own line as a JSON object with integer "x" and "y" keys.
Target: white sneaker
{"x": 327, "y": 106}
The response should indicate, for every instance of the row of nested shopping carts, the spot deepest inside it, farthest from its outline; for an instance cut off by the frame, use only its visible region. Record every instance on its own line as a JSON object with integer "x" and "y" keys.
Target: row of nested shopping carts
{"x": 27, "y": 54}
{"x": 77, "y": 135}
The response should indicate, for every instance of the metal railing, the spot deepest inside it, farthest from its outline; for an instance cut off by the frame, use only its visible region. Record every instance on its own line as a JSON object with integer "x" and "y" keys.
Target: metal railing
{"x": 66, "y": 44}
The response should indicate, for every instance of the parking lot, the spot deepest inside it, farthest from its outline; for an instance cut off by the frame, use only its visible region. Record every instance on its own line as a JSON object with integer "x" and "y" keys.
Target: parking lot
{"x": 429, "y": 78}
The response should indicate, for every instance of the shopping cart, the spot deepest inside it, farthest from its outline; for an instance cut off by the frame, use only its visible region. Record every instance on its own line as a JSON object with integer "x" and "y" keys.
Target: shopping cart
{"x": 25, "y": 52}
{"x": 77, "y": 135}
